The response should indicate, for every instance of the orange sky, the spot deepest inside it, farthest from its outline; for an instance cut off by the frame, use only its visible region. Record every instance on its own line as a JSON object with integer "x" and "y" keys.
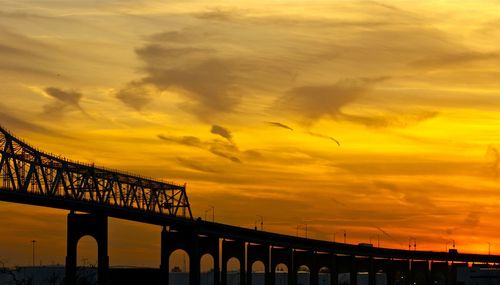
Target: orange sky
{"x": 245, "y": 102}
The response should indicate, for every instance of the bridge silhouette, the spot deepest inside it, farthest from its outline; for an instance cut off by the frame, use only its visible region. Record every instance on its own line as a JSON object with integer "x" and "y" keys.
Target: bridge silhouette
{"x": 92, "y": 194}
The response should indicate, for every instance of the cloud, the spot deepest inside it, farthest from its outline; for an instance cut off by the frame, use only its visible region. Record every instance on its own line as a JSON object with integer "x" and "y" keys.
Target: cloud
{"x": 445, "y": 60}
{"x": 136, "y": 95}
{"x": 221, "y": 131}
{"x": 313, "y": 102}
{"x": 13, "y": 123}
{"x": 219, "y": 148}
{"x": 196, "y": 165}
{"x": 205, "y": 79}
{"x": 470, "y": 222}
{"x": 183, "y": 140}
{"x": 64, "y": 99}
{"x": 280, "y": 125}
{"x": 69, "y": 97}
{"x": 325, "y": 137}
{"x": 398, "y": 120}
{"x": 493, "y": 153}
{"x": 225, "y": 151}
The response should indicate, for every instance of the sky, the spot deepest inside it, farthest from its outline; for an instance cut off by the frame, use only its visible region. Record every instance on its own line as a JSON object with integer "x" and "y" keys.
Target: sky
{"x": 378, "y": 118}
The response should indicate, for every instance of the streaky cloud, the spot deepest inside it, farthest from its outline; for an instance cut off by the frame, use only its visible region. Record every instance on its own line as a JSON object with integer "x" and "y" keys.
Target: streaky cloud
{"x": 279, "y": 125}
{"x": 324, "y": 136}
{"x": 313, "y": 102}
{"x": 221, "y": 131}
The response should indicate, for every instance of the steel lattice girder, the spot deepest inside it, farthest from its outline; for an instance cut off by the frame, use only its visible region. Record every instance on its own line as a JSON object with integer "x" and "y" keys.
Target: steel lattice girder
{"x": 26, "y": 170}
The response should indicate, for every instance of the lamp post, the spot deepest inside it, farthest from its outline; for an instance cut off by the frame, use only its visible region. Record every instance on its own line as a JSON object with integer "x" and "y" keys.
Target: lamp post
{"x": 211, "y": 208}
{"x": 378, "y": 240}
{"x": 414, "y": 243}
{"x": 261, "y": 222}
{"x": 345, "y": 236}
{"x": 33, "y": 247}
{"x": 33, "y": 268}
{"x": 305, "y": 229}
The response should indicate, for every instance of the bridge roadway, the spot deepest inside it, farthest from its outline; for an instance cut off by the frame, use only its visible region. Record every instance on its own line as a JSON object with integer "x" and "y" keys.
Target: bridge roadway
{"x": 238, "y": 233}
{"x": 175, "y": 227}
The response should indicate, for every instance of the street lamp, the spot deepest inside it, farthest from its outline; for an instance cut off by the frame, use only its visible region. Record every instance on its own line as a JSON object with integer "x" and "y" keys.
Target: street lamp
{"x": 33, "y": 242}
{"x": 211, "y": 208}
{"x": 414, "y": 243}
{"x": 305, "y": 228}
{"x": 261, "y": 222}
{"x": 33, "y": 268}
{"x": 378, "y": 240}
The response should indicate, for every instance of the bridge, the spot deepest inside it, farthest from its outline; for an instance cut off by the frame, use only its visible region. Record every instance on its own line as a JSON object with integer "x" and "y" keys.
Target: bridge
{"x": 92, "y": 194}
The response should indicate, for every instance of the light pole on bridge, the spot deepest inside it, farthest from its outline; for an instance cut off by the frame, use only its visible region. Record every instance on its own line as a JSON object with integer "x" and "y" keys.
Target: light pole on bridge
{"x": 261, "y": 219}
{"x": 33, "y": 251}
{"x": 305, "y": 228}
{"x": 211, "y": 208}
{"x": 414, "y": 243}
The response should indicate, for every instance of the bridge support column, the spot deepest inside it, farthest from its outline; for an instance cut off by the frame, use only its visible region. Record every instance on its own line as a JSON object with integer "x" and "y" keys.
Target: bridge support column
{"x": 371, "y": 272}
{"x": 232, "y": 249}
{"x": 187, "y": 240}
{"x": 258, "y": 253}
{"x": 80, "y": 225}
{"x": 164, "y": 259}
{"x": 194, "y": 260}
{"x": 334, "y": 271}
{"x": 353, "y": 270}
{"x": 388, "y": 266}
{"x": 278, "y": 256}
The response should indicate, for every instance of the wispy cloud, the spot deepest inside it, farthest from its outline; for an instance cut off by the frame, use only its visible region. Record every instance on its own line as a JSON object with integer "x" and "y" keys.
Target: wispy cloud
{"x": 63, "y": 99}
{"x": 324, "y": 137}
{"x": 314, "y": 102}
{"x": 221, "y": 131}
{"x": 225, "y": 149}
{"x": 280, "y": 125}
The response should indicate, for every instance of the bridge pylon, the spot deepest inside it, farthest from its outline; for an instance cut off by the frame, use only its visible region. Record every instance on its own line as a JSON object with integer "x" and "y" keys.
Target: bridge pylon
{"x": 96, "y": 226}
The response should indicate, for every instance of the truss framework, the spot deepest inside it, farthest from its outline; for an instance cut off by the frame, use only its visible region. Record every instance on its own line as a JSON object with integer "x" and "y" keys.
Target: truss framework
{"x": 26, "y": 170}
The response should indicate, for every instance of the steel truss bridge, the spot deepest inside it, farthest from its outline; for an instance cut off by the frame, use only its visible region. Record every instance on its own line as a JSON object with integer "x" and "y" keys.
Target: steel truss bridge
{"x": 92, "y": 194}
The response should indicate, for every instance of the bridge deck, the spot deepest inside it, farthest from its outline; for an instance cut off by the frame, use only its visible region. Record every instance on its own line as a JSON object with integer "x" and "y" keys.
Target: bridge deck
{"x": 238, "y": 233}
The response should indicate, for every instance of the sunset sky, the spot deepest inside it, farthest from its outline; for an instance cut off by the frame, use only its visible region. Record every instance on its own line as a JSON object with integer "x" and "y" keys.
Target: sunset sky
{"x": 374, "y": 117}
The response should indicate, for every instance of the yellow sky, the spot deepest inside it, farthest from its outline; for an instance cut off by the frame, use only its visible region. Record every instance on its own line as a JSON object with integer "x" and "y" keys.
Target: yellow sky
{"x": 245, "y": 103}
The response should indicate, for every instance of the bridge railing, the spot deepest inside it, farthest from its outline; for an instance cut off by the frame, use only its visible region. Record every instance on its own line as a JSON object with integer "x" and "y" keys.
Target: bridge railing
{"x": 27, "y": 170}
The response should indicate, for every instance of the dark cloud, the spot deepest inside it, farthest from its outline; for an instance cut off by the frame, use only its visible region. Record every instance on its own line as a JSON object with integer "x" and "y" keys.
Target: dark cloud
{"x": 64, "y": 99}
{"x": 313, "y": 102}
{"x": 208, "y": 85}
{"x": 220, "y": 15}
{"x": 224, "y": 150}
{"x": 69, "y": 97}
{"x": 324, "y": 137}
{"x": 227, "y": 150}
{"x": 221, "y": 131}
{"x": 135, "y": 95}
{"x": 206, "y": 81}
{"x": 390, "y": 120}
{"x": 184, "y": 140}
{"x": 280, "y": 125}
{"x": 196, "y": 165}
